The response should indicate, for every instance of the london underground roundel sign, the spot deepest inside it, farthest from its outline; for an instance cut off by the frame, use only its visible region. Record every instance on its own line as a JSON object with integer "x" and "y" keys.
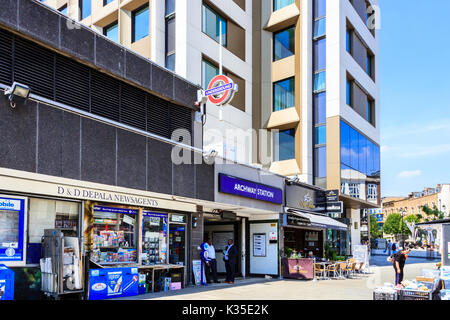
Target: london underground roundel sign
{"x": 221, "y": 90}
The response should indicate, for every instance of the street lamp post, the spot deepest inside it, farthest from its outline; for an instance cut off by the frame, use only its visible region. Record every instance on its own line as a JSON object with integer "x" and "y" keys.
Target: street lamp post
{"x": 402, "y": 211}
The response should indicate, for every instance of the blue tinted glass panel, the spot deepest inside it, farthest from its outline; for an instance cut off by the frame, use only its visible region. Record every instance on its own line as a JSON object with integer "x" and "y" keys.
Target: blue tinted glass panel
{"x": 211, "y": 25}
{"x": 354, "y": 161}
{"x": 319, "y": 28}
{"x": 284, "y": 94}
{"x": 320, "y": 55}
{"x": 105, "y": 2}
{"x": 284, "y": 44}
{"x": 320, "y": 136}
{"x": 170, "y": 7}
{"x": 320, "y": 162}
{"x": 209, "y": 71}
{"x": 112, "y": 32}
{"x": 345, "y": 143}
{"x": 284, "y": 145}
{"x": 141, "y": 24}
{"x": 319, "y": 81}
{"x": 320, "y": 108}
{"x": 362, "y": 167}
{"x": 370, "y": 158}
{"x": 320, "y": 8}
{"x": 376, "y": 160}
{"x": 86, "y": 7}
{"x": 170, "y": 62}
{"x": 278, "y": 4}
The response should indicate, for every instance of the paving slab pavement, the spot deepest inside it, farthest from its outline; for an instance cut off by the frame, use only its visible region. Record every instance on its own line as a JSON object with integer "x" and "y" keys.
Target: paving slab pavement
{"x": 360, "y": 288}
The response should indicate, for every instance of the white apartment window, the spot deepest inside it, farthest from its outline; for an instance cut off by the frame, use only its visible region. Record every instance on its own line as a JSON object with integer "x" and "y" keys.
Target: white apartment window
{"x": 354, "y": 190}
{"x": 372, "y": 191}
{"x": 412, "y": 210}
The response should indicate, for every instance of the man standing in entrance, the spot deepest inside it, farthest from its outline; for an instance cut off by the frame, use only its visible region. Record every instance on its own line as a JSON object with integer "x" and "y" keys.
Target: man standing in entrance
{"x": 211, "y": 267}
{"x": 230, "y": 257}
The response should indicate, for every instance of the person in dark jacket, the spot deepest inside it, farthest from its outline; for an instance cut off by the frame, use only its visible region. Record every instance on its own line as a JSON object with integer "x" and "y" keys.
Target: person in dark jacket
{"x": 230, "y": 257}
{"x": 399, "y": 260}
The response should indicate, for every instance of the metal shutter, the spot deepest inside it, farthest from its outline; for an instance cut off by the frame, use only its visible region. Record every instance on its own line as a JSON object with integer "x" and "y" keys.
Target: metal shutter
{"x": 105, "y": 96}
{"x": 72, "y": 83}
{"x": 180, "y": 118}
{"x": 34, "y": 66}
{"x": 5, "y": 57}
{"x": 133, "y": 107}
{"x": 158, "y": 116}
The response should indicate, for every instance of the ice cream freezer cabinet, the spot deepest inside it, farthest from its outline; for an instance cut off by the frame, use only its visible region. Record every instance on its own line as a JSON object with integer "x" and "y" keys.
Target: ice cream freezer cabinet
{"x": 113, "y": 283}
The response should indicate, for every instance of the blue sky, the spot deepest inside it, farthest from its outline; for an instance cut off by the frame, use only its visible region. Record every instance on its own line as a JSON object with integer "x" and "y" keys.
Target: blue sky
{"x": 414, "y": 95}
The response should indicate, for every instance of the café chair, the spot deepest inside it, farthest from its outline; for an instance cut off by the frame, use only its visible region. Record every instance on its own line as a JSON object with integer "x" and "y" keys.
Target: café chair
{"x": 359, "y": 268}
{"x": 351, "y": 266}
{"x": 333, "y": 268}
{"x": 319, "y": 269}
{"x": 342, "y": 270}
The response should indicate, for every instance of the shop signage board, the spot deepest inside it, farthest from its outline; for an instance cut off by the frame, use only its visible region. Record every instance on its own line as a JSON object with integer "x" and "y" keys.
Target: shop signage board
{"x": 305, "y": 198}
{"x": 113, "y": 283}
{"x": 360, "y": 254}
{"x": 335, "y": 207}
{"x": 114, "y": 210}
{"x": 332, "y": 195}
{"x": 259, "y": 244}
{"x": 181, "y": 218}
{"x": 298, "y": 268}
{"x": 12, "y": 230}
{"x": 244, "y": 188}
{"x": 293, "y": 220}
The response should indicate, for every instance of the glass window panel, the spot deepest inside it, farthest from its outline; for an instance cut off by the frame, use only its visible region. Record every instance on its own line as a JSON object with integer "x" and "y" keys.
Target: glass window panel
{"x": 284, "y": 145}
{"x": 63, "y": 9}
{"x": 320, "y": 162}
{"x": 320, "y": 136}
{"x": 278, "y": 4}
{"x": 170, "y": 35}
{"x": 349, "y": 93}
{"x": 353, "y": 149}
{"x": 319, "y": 28}
{"x": 211, "y": 25}
{"x": 320, "y": 8}
{"x": 349, "y": 41}
{"x": 209, "y": 71}
{"x": 284, "y": 44}
{"x": 112, "y": 32}
{"x": 319, "y": 52}
{"x": 86, "y": 7}
{"x": 320, "y": 108}
{"x": 170, "y": 7}
{"x": 320, "y": 81}
{"x": 284, "y": 94}
{"x": 362, "y": 154}
{"x": 370, "y": 158}
{"x": 154, "y": 238}
{"x": 345, "y": 143}
{"x": 141, "y": 23}
{"x": 170, "y": 62}
{"x": 105, "y": 2}
{"x": 377, "y": 160}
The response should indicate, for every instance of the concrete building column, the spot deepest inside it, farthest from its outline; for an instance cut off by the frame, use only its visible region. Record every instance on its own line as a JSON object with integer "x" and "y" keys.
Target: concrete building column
{"x": 355, "y": 220}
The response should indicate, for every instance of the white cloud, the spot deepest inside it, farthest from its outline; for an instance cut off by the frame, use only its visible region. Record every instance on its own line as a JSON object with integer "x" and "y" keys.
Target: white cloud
{"x": 409, "y": 174}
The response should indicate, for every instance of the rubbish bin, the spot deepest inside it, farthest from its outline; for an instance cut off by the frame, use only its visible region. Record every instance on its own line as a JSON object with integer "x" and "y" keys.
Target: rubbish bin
{"x": 6, "y": 283}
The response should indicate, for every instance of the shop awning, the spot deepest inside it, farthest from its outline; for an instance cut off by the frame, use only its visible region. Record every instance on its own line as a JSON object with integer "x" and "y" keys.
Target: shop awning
{"x": 320, "y": 221}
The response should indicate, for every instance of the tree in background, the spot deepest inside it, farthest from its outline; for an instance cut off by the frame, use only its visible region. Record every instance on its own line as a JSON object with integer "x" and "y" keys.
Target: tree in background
{"x": 375, "y": 230}
{"x": 432, "y": 214}
{"x": 393, "y": 225}
{"x": 412, "y": 219}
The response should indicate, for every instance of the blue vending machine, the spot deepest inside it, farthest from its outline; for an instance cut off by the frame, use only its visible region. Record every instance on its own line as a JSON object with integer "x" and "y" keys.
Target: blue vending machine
{"x": 110, "y": 283}
{"x": 6, "y": 283}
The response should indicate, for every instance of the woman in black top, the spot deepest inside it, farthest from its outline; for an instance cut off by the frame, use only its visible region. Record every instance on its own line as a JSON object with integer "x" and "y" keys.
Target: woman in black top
{"x": 399, "y": 260}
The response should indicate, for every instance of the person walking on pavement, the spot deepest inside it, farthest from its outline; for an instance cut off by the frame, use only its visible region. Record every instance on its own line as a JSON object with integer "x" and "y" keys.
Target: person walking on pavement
{"x": 389, "y": 248}
{"x": 399, "y": 260}
{"x": 230, "y": 256}
{"x": 211, "y": 267}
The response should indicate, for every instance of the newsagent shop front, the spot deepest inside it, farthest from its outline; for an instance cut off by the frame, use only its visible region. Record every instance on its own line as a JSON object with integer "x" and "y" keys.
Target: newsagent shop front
{"x": 63, "y": 240}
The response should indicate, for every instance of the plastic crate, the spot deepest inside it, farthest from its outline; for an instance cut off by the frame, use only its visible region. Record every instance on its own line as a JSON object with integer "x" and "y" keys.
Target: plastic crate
{"x": 384, "y": 295}
{"x": 405, "y": 294}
